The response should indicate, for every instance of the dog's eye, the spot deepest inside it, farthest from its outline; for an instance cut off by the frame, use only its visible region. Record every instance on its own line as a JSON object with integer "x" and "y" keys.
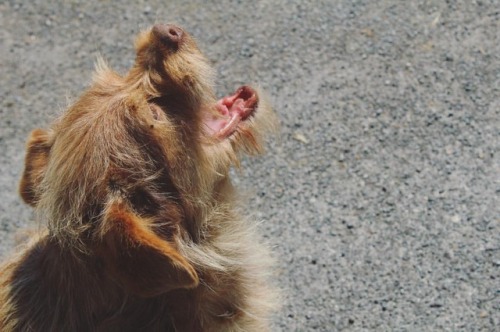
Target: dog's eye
{"x": 157, "y": 112}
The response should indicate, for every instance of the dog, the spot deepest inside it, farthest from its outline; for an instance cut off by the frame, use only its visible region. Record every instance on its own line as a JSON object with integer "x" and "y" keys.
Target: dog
{"x": 143, "y": 226}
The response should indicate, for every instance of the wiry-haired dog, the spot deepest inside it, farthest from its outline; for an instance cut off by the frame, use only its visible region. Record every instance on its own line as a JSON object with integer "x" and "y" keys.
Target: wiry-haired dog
{"x": 143, "y": 228}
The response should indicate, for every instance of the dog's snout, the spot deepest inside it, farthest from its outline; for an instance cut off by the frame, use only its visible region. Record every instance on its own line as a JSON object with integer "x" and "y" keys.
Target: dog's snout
{"x": 169, "y": 34}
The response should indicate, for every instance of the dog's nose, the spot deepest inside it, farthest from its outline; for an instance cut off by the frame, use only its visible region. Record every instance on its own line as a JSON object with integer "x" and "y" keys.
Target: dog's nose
{"x": 168, "y": 34}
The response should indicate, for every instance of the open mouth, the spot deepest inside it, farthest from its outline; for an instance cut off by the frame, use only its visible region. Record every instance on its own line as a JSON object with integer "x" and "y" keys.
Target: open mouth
{"x": 233, "y": 110}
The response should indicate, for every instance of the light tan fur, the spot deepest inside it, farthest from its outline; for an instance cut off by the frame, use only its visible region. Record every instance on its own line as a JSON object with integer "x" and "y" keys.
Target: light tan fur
{"x": 144, "y": 231}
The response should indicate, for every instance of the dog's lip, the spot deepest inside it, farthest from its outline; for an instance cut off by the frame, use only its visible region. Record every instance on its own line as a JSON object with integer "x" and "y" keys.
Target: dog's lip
{"x": 233, "y": 110}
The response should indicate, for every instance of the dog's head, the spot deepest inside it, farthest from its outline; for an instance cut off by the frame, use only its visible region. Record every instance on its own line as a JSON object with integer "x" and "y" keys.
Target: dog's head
{"x": 128, "y": 171}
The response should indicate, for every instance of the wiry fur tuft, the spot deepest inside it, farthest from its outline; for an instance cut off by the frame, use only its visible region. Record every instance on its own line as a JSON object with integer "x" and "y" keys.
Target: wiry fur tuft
{"x": 144, "y": 232}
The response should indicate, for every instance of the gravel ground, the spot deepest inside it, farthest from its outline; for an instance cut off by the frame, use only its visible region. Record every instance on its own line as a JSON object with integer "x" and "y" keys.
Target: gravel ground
{"x": 381, "y": 195}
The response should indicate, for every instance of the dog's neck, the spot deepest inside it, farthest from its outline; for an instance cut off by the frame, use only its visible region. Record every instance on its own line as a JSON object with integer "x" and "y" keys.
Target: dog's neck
{"x": 55, "y": 287}
{"x": 63, "y": 287}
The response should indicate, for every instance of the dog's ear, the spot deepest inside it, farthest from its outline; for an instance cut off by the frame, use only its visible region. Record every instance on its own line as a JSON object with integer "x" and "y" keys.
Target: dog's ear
{"x": 141, "y": 261}
{"x": 37, "y": 157}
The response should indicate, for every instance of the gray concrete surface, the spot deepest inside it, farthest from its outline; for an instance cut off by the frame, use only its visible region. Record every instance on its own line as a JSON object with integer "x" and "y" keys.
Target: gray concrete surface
{"x": 381, "y": 196}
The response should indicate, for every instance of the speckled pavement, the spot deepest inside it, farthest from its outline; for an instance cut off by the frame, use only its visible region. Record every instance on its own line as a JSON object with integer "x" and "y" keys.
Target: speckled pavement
{"x": 381, "y": 194}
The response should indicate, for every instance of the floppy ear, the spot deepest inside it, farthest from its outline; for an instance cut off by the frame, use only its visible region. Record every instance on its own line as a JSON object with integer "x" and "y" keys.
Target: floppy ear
{"x": 37, "y": 157}
{"x": 141, "y": 261}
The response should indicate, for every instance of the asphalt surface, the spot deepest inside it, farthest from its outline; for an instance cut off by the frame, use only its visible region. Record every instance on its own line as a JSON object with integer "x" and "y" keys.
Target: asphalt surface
{"x": 381, "y": 194}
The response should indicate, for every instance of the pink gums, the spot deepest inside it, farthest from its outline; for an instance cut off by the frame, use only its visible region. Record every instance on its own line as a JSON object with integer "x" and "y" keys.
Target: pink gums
{"x": 233, "y": 109}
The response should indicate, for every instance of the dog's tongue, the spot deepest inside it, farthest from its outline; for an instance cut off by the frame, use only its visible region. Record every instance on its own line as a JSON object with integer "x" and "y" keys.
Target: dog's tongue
{"x": 233, "y": 109}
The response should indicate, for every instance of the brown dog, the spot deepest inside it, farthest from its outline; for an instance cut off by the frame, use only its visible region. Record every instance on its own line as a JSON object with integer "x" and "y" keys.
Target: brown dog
{"x": 143, "y": 227}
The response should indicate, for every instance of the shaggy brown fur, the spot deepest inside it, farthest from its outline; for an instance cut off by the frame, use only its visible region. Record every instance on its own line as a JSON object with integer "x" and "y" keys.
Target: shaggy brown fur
{"x": 143, "y": 227}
